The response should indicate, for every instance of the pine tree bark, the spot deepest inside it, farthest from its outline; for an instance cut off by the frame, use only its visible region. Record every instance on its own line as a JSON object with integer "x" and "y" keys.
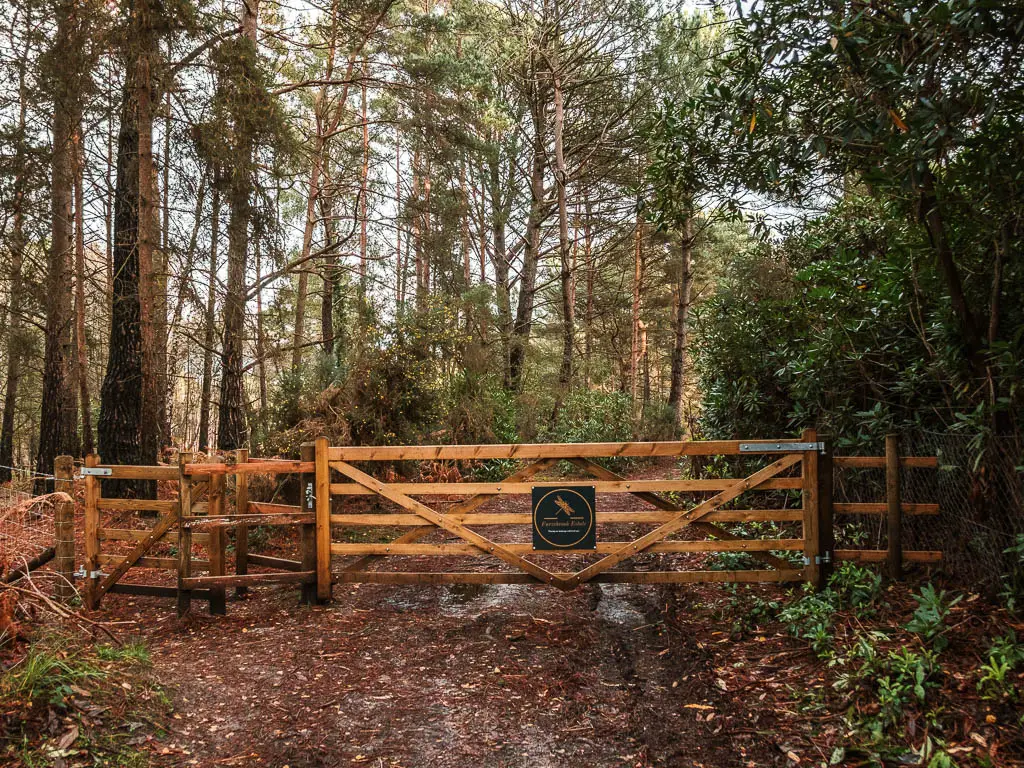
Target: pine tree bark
{"x": 119, "y": 429}
{"x": 81, "y": 353}
{"x": 57, "y": 424}
{"x": 16, "y": 338}
{"x": 503, "y": 292}
{"x": 681, "y": 317}
{"x": 210, "y": 325}
{"x": 561, "y": 181}
{"x": 328, "y": 276}
{"x": 531, "y": 252}
{"x": 634, "y": 358}
{"x": 232, "y": 431}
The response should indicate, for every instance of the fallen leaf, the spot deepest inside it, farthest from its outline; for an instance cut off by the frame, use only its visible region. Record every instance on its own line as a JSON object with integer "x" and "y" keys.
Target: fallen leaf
{"x": 68, "y": 738}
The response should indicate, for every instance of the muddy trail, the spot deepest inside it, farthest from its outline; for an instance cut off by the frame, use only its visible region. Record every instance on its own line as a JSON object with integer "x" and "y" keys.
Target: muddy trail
{"x": 445, "y": 676}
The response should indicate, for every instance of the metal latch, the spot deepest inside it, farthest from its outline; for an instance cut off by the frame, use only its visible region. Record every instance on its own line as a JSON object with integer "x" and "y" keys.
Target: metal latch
{"x": 95, "y": 471}
{"x": 781, "y": 447}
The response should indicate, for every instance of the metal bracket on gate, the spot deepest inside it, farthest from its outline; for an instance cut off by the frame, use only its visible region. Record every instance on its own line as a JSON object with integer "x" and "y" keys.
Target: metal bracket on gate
{"x": 81, "y": 573}
{"x": 818, "y": 559}
{"x": 781, "y": 447}
{"x": 95, "y": 471}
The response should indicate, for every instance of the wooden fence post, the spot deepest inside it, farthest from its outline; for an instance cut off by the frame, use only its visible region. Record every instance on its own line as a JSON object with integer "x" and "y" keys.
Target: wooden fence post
{"x": 64, "y": 529}
{"x": 323, "y": 521}
{"x": 811, "y": 512}
{"x": 242, "y": 531}
{"x": 92, "y": 533}
{"x": 184, "y": 533}
{"x": 307, "y": 531}
{"x": 216, "y": 546}
{"x": 894, "y": 507}
{"x": 826, "y": 531}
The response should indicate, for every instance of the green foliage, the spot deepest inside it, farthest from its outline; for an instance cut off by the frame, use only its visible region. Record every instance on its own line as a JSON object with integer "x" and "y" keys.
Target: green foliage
{"x": 895, "y": 680}
{"x": 47, "y": 672}
{"x": 863, "y": 319}
{"x": 821, "y": 328}
{"x": 136, "y": 652}
{"x": 997, "y": 680}
{"x": 393, "y": 392}
{"x": 749, "y": 614}
{"x": 811, "y": 616}
{"x": 1013, "y": 580}
{"x": 929, "y": 618}
{"x": 590, "y": 416}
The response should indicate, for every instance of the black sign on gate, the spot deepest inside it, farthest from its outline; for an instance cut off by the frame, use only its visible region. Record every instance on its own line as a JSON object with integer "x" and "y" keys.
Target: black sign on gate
{"x": 564, "y": 518}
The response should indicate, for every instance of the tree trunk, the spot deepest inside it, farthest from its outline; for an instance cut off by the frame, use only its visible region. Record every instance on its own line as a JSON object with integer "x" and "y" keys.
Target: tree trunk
{"x": 307, "y": 246}
{"x": 119, "y": 431}
{"x": 329, "y": 277}
{"x": 81, "y": 354}
{"x": 936, "y": 228}
{"x": 531, "y": 253}
{"x": 561, "y": 180}
{"x": 57, "y": 424}
{"x": 16, "y": 337}
{"x": 364, "y": 176}
{"x": 211, "y": 320}
{"x": 261, "y": 350}
{"x": 634, "y": 358}
{"x": 588, "y": 261}
{"x": 148, "y": 235}
{"x": 502, "y": 290}
{"x": 681, "y": 318}
{"x": 232, "y": 432}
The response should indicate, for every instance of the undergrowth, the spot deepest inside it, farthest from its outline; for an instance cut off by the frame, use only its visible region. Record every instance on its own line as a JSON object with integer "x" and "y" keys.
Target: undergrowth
{"x": 895, "y": 682}
{"x": 64, "y": 701}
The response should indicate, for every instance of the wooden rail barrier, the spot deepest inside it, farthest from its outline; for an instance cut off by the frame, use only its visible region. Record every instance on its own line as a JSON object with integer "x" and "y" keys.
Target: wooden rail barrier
{"x": 459, "y": 523}
{"x": 332, "y": 478}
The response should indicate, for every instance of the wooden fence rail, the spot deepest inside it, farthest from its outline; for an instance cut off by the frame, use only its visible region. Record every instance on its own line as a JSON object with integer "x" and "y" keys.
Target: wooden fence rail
{"x": 789, "y": 483}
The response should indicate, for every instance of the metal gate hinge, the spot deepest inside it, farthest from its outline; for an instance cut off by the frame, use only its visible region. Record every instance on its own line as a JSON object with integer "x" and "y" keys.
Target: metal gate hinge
{"x": 81, "y": 573}
{"x": 95, "y": 471}
{"x": 818, "y": 559}
{"x": 781, "y": 447}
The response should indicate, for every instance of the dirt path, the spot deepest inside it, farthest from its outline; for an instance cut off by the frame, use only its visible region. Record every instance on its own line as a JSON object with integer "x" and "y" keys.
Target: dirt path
{"x": 440, "y": 676}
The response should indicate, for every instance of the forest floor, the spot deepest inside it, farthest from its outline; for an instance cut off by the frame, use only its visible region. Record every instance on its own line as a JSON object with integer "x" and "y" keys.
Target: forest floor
{"x": 513, "y": 676}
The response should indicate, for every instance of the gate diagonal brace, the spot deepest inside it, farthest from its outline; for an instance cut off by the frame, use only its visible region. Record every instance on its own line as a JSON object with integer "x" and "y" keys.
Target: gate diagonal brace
{"x": 683, "y": 519}
{"x": 162, "y": 526}
{"x": 436, "y": 518}
{"x": 457, "y": 512}
{"x": 652, "y": 498}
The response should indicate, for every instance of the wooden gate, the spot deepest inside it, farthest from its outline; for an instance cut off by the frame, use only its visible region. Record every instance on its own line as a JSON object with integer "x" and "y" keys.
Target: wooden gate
{"x": 802, "y": 468}
{"x": 787, "y": 485}
{"x": 200, "y": 516}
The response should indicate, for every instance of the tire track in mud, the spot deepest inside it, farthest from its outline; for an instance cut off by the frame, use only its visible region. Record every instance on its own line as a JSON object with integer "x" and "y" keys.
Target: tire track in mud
{"x": 677, "y": 714}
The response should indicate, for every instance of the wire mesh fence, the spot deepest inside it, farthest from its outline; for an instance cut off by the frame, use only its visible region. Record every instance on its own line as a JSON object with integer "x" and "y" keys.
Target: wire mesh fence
{"x": 979, "y": 486}
{"x": 27, "y": 530}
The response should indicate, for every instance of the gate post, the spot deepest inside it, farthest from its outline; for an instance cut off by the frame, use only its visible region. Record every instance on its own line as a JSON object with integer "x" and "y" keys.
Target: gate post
{"x": 184, "y": 533}
{"x": 307, "y": 531}
{"x": 216, "y": 547}
{"x": 242, "y": 531}
{"x": 64, "y": 528}
{"x": 323, "y": 521}
{"x": 826, "y": 531}
{"x": 894, "y": 507}
{"x": 811, "y": 512}
{"x": 92, "y": 533}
